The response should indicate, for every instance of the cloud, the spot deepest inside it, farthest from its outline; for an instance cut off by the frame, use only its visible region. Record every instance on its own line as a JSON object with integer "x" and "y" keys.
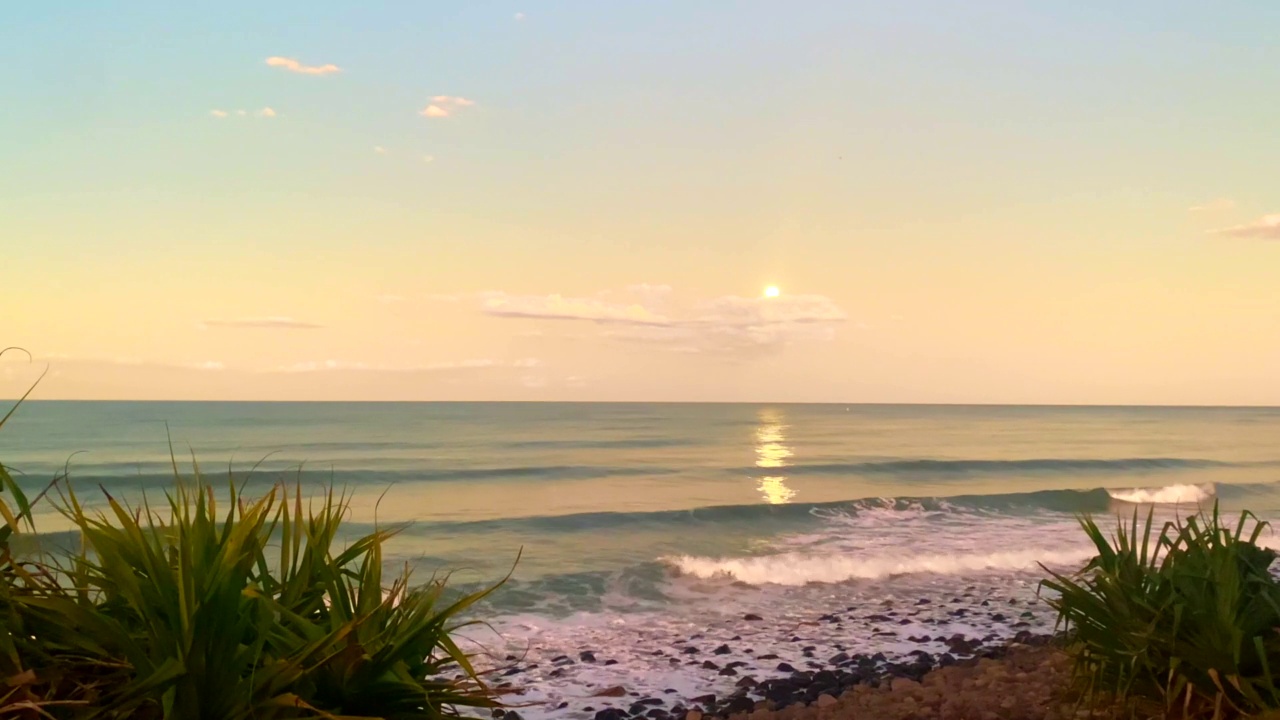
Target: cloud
{"x": 728, "y": 323}
{"x": 278, "y": 323}
{"x": 445, "y": 105}
{"x": 1264, "y": 228}
{"x": 455, "y": 365}
{"x": 1213, "y": 205}
{"x": 519, "y": 16}
{"x": 265, "y": 112}
{"x": 379, "y": 150}
{"x": 558, "y": 307}
{"x": 428, "y": 158}
{"x": 293, "y": 65}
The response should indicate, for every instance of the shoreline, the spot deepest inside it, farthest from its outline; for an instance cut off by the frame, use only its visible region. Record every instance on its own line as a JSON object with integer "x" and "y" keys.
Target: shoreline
{"x": 752, "y": 662}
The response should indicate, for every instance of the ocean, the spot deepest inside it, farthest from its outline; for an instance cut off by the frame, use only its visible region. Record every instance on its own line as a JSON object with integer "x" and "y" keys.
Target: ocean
{"x": 642, "y": 528}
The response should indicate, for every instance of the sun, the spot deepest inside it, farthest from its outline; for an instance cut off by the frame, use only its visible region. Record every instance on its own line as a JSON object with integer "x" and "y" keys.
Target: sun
{"x": 772, "y": 291}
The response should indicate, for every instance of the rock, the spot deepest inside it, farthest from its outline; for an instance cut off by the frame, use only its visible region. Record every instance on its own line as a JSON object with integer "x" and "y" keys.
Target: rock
{"x": 691, "y": 650}
{"x": 752, "y": 617}
{"x": 728, "y": 671}
{"x": 615, "y": 691}
{"x": 923, "y": 601}
{"x": 693, "y": 715}
{"x": 838, "y": 659}
{"x": 611, "y": 714}
{"x": 785, "y": 667}
{"x": 747, "y": 682}
{"x": 740, "y": 704}
{"x": 767, "y": 656}
{"x": 825, "y": 700}
{"x": 704, "y": 700}
{"x": 722, "y": 650}
{"x": 587, "y": 656}
{"x": 708, "y": 665}
{"x": 610, "y": 662}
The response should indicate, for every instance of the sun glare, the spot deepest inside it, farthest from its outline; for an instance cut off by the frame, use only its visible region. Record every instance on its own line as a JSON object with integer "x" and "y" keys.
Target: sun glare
{"x": 772, "y": 291}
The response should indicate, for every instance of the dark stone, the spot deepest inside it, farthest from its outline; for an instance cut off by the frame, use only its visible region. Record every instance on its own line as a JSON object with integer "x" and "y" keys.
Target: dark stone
{"x": 839, "y": 658}
{"x": 637, "y": 709}
{"x": 512, "y": 671}
{"x": 722, "y": 650}
{"x": 704, "y": 700}
{"x": 879, "y": 657}
{"x": 923, "y": 601}
{"x": 650, "y": 701}
{"x": 558, "y": 672}
{"x": 752, "y": 617}
{"x": 657, "y": 714}
{"x": 747, "y": 682}
{"x": 728, "y": 671}
{"x": 904, "y": 621}
{"x": 708, "y": 665}
{"x": 879, "y": 618}
{"x": 998, "y": 617}
{"x": 946, "y": 659}
{"x": 611, "y": 662}
{"x": 736, "y": 664}
{"x": 809, "y": 648}
{"x": 512, "y": 658}
{"x": 828, "y": 618}
{"x": 736, "y": 637}
{"x": 767, "y": 656}
{"x": 587, "y": 656}
{"x": 740, "y": 704}
{"x": 611, "y": 714}
{"x": 559, "y": 658}
{"x": 691, "y": 650}
{"x": 785, "y": 667}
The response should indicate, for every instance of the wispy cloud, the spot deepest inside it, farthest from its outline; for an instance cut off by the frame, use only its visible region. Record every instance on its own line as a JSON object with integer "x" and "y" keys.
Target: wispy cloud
{"x": 558, "y": 307}
{"x": 265, "y": 112}
{"x": 728, "y": 323}
{"x": 1264, "y": 228}
{"x": 276, "y": 323}
{"x": 445, "y": 105}
{"x": 1217, "y": 205}
{"x": 295, "y": 66}
{"x": 519, "y": 16}
{"x": 428, "y": 158}
{"x": 314, "y": 366}
{"x": 378, "y": 149}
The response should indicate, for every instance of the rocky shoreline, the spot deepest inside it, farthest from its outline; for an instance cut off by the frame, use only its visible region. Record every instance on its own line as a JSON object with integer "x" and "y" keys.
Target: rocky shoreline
{"x": 765, "y": 673}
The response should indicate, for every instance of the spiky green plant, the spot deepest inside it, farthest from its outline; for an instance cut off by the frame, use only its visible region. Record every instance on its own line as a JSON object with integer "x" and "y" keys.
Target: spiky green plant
{"x": 251, "y": 608}
{"x": 1187, "y": 615}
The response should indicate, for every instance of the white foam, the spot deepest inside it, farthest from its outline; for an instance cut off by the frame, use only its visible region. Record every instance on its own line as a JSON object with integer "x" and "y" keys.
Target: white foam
{"x": 1168, "y": 495}
{"x": 801, "y": 568}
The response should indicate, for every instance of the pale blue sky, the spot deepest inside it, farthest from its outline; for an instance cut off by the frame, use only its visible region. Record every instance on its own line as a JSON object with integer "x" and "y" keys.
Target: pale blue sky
{"x": 984, "y": 191}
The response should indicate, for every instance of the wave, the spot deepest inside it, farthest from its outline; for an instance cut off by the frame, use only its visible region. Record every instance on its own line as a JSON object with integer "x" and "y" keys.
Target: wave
{"x": 805, "y": 568}
{"x": 989, "y": 467}
{"x": 1097, "y": 500}
{"x": 1168, "y": 495}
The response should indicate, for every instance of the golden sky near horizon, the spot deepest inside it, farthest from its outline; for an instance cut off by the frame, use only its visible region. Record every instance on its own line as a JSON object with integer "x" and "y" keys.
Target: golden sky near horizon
{"x": 586, "y": 202}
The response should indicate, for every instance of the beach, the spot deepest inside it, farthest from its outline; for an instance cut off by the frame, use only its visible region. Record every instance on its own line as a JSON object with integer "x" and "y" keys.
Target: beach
{"x": 714, "y": 558}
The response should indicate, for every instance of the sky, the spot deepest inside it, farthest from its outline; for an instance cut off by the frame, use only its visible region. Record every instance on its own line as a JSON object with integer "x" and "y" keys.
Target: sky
{"x": 996, "y": 202}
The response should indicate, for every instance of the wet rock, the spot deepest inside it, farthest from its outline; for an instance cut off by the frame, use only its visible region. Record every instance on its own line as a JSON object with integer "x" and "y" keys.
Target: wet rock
{"x": 611, "y": 714}
{"x": 722, "y": 650}
{"x": 658, "y": 714}
{"x": 923, "y": 601}
{"x": 879, "y": 618}
{"x": 785, "y": 667}
{"x": 752, "y": 617}
{"x": 736, "y": 664}
{"x": 728, "y": 671}
{"x": 704, "y": 700}
{"x": 838, "y": 659}
{"x": 998, "y": 617}
{"x": 746, "y": 682}
{"x": 767, "y": 656}
{"x": 614, "y": 691}
{"x": 691, "y": 650}
{"x": 740, "y": 704}
{"x": 708, "y": 665}
{"x": 825, "y": 700}
{"x": 587, "y": 656}
{"x": 558, "y": 672}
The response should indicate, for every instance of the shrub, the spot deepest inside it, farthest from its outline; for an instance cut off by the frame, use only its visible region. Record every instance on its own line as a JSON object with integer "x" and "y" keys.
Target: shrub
{"x": 201, "y": 610}
{"x": 1186, "y": 616}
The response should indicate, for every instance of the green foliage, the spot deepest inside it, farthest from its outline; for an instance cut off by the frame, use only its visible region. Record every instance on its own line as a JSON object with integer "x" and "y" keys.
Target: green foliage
{"x": 1187, "y": 615}
{"x": 199, "y": 610}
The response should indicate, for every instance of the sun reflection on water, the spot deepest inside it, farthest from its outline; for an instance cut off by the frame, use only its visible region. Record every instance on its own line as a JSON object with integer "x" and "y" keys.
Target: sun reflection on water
{"x": 772, "y": 454}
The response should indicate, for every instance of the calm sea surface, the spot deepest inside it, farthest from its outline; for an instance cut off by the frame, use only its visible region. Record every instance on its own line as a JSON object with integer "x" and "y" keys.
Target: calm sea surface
{"x": 638, "y": 518}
